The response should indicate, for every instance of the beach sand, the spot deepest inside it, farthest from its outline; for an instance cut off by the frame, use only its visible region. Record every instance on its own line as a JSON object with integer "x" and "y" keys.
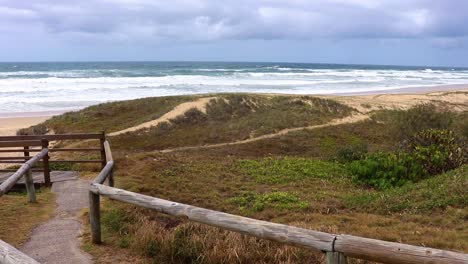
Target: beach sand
{"x": 9, "y": 125}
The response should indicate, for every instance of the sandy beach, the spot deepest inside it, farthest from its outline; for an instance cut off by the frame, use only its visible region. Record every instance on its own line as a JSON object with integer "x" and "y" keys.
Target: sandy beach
{"x": 9, "y": 125}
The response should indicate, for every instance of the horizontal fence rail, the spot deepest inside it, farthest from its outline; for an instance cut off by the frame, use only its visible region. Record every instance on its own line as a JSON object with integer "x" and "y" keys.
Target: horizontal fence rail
{"x": 351, "y": 246}
{"x": 11, "y": 255}
{"x": 55, "y": 137}
{"x": 28, "y": 141}
{"x": 20, "y": 143}
{"x": 26, "y": 171}
{"x": 337, "y": 247}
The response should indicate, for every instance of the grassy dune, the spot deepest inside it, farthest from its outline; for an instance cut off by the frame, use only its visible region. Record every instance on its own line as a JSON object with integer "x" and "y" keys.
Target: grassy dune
{"x": 296, "y": 179}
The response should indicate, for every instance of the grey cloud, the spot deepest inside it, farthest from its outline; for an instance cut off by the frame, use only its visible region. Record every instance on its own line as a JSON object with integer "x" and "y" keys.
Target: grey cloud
{"x": 203, "y": 20}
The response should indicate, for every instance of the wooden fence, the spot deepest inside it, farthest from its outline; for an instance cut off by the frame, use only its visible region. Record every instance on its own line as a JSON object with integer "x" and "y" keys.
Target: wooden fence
{"x": 11, "y": 255}
{"x": 29, "y": 144}
{"x": 336, "y": 247}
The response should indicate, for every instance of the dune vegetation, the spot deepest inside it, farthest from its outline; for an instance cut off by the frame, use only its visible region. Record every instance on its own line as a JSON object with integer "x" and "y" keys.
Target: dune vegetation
{"x": 328, "y": 178}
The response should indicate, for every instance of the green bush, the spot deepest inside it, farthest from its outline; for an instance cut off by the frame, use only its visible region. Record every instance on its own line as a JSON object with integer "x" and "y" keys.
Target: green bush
{"x": 428, "y": 152}
{"x": 39, "y": 129}
{"x": 421, "y": 117}
{"x": 438, "y": 149}
{"x": 351, "y": 152}
{"x": 385, "y": 170}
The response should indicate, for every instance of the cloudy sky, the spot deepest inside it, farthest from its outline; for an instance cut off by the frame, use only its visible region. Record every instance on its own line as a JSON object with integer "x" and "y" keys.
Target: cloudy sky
{"x": 404, "y": 32}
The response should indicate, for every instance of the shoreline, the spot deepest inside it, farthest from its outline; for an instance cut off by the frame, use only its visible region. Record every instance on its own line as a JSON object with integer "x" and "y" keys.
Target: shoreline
{"x": 409, "y": 90}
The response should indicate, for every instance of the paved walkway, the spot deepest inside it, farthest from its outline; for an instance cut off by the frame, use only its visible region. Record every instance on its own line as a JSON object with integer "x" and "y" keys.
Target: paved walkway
{"x": 57, "y": 241}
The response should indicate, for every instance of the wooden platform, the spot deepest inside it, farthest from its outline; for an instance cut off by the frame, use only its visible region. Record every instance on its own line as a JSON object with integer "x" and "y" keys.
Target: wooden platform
{"x": 38, "y": 177}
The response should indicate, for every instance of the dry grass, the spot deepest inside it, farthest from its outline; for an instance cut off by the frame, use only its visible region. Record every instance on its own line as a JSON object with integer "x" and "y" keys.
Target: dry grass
{"x": 299, "y": 165}
{"x": 19, "y": 217}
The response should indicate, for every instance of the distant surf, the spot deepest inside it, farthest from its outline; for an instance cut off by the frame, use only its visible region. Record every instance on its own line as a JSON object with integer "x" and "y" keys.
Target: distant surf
{"x": 37, "y": 87}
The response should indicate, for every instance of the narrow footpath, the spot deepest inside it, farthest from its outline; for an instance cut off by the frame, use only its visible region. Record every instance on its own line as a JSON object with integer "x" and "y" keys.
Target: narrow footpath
{"x": 57, "y": 241}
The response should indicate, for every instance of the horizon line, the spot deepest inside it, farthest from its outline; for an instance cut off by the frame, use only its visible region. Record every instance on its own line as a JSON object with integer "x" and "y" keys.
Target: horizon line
{"x": 226, "y": 61}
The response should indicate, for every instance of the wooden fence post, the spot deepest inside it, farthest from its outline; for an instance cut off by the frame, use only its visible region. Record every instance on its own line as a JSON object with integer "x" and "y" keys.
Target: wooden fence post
{"x": 45, "y": 163}
{"x": 103, "y": 151}
{"x": 336, "y": 258}
{"x": 95, "y": 217}
{"x": 29, "y": 181}
{"x": 109, "y": 158}
{"x": 26, "y": 151}
{"x": 111, "y": 178}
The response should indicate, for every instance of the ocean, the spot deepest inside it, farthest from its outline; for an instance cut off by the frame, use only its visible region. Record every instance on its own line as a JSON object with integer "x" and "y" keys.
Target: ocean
{"x": 59, "y": 86}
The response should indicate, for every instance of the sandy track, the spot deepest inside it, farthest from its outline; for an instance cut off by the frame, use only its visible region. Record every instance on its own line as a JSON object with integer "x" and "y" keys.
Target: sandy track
{"x": 199, "y": 104}
{"x": 349, "y": 119}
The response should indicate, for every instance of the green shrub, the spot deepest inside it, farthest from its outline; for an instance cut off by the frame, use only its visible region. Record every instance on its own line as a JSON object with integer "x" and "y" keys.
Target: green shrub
{"x": 385, "y": 170}
{"x": 428, "y": 152}
{"x": 39, "y": 129}
{"x": 439, "y": 150}
{"x": 439, "y": 192}
{"x": 351, "y": 152}
{"x": 404, "y": 124}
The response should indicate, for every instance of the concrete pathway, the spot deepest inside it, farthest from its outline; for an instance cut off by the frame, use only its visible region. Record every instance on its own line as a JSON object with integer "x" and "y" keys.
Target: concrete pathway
{"x": 57, "y": 241}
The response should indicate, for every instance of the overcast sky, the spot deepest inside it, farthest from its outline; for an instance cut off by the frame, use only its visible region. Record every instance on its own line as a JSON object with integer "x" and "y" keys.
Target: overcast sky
{"x": 404, "y": 32}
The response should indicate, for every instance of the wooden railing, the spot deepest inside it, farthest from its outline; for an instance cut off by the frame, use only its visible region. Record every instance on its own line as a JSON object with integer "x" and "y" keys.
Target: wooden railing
{"x": 39, "y": 144}
{"x": 336, "y": 247}
{"x": 26, "y": 171}
{"x": 11, "y": 255}
{"x": 28, "y": 144}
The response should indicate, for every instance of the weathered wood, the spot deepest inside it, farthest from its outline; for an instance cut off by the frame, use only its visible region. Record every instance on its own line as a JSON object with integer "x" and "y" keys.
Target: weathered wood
{"x": 51, "y": 150}
{"x": 15, "y": 158}
{"x": 104, "y": 173}
{"x": 257, "y": 228}
{"x": 26, "y": 151}
{"x": 103, "y": 150}
{"x": 54, "y": 137}
{"x": 45, "y": 162}
{"x": 28, "y": 179}
{"x": 336, "y": 258}
{"x": 13, "y": 170}
{"x": 10, "y": 182}
{"x": 109, "y": 158}
{"x": 18, "y": 150}
{"x": 389, "y": 252}
{"x": 19, "y": 143}
{"x": 108, "y": 151}
{"x": 95, "y": 217}
{"x": 11, "y": 255}
{"x": 110, "y": 179}
{"x": 11, "y": 162}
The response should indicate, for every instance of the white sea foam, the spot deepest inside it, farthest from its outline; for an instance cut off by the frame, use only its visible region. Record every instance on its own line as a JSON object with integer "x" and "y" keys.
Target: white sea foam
{"x": 23, "y": 91}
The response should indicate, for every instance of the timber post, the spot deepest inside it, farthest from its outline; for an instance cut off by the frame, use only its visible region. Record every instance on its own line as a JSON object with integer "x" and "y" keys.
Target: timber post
{"x": 95, "y": 217}
{"x": 29, "y": 182}
{"x": 336, "y": 258}
{"x": 102, "y": 139}
{"x": 45, "y": 163}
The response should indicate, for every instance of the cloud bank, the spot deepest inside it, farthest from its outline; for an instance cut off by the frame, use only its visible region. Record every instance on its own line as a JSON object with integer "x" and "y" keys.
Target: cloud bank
{"x": 442, "y": 21}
